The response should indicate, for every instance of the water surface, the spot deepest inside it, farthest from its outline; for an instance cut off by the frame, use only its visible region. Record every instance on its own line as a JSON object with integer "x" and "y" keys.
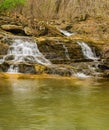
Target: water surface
{"x": 54, "y": 104}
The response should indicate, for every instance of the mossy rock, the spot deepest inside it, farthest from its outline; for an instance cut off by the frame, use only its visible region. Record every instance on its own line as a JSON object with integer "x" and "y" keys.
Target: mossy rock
{"x": 40, "y": 68}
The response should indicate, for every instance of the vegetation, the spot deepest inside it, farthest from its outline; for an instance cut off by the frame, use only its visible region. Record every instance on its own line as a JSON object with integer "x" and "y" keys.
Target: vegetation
{"x": 10, "y": 4}
{"x": 49, "y": 9}
{"x": 58, "y": 9}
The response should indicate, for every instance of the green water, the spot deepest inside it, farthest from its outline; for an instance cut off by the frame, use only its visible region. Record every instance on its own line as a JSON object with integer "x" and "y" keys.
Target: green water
{"x": 54, "y": 104}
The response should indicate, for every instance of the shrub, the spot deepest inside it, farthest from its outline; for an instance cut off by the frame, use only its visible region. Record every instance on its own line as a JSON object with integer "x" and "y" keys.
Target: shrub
{"x": 10, "y": 4}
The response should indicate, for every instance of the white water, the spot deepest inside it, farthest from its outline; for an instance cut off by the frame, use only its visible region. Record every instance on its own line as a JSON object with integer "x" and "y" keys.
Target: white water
{"x": 87, "y": 52}
{"x": 66, "y": 52}
{"x": 66, "y": 33}
{"x": 24, "y": 51}
{"x": 13, "y": 69}
{"x": 1, "y": 61}
{"x": 82, "y": 75}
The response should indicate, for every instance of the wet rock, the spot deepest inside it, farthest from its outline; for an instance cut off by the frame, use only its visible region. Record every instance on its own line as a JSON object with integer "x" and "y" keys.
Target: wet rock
{"x": 103, "y": 67}
{"x": 106, "y": 74}
{"x": 59, "y": 70}
{"x": 29, "y": 59}
{"x": 60, "y": 51}
{"x": 22, "y": 67}
{"x": 9, "y": 58}
{"x": 4, "y": 67}
{"x": 3, "y": 48}
{"x": 87, "y": 68}
{"x": 27, "y": 68}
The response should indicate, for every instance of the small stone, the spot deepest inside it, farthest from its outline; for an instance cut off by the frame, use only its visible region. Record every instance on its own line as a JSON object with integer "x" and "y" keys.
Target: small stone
{"x": 28, "y": 31}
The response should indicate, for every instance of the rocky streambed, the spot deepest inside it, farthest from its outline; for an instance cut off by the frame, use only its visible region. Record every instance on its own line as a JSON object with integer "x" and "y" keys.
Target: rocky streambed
{"x": 47, "y": 50}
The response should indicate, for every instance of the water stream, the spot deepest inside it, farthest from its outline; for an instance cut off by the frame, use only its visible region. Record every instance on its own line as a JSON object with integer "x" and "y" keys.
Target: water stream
{"x": 87, "y": 51}
{"x": 13, "y": 69}
{"x": 23, "y": 51}
{"x": 66, "y": 33}
{"x": 26, "y": 50}
{"x": 66, "y": 52}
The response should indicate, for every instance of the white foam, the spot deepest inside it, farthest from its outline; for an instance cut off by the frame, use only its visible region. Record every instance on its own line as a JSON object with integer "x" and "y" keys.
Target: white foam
{"x": 66, "y": 33}
{"x": 87, "y": 52}
{"x": 25, "y": 51}
{"x": 82, "y": 75}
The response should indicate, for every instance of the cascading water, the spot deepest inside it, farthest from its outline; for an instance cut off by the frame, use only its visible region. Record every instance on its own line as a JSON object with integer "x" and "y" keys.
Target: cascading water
{"x": 87, "y": 52}
{"x": 23, "y": 51}
{"x": 66, "y": 52}
{"x": 66, "y": 33}
{"x": 1, "y": 61}
{"x": 13, "y": 69}
{"x": 81, "y": 75}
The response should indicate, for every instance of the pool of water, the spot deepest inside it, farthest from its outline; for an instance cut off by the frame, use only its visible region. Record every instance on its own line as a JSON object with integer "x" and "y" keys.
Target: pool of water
{"x": 54, "y": 104}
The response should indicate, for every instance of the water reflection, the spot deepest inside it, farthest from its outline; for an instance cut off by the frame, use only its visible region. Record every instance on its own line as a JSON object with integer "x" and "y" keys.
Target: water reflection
{"x": 53, "y": 104}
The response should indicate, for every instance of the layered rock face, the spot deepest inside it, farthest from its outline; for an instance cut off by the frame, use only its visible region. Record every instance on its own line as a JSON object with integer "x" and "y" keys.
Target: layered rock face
{"x": 56, "y": 56}
{"x": 66, "y": 51}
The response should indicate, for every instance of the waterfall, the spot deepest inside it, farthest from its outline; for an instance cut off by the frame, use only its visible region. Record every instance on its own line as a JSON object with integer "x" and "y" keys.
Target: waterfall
{"x": 87, "y": 52}
{"x": 66, "y": 33}
{"x": 1, "y": 61}
{"x": 66, "y": 52}
{"x": 23, "y": 51}
{"x": 13, "y": 69}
